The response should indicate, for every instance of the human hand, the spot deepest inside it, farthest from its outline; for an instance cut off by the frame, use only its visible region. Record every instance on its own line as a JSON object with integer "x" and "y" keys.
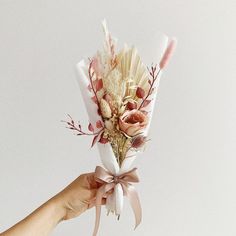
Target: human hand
{"x": 78, "y": 196}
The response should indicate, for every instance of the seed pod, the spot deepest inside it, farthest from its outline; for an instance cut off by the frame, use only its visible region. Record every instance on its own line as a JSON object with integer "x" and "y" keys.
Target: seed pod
{"x": 110, "y": 101}
{"x": 105, "y": 109}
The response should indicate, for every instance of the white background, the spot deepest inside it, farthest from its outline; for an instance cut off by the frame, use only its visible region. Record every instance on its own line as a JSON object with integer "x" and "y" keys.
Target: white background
{"x": 188, "y": 171}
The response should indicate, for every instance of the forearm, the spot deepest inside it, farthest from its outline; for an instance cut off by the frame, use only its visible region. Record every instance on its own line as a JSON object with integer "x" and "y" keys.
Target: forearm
{"x": 76, "y": 198}
{"x": 41, "y": 222}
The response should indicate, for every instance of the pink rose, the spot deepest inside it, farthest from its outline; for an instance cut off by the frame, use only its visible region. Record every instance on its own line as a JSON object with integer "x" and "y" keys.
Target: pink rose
{"x": 133, "y": 122}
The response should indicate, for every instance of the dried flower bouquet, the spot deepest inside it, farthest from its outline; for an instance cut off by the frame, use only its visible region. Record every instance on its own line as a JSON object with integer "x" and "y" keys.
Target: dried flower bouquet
{"x": 119, "y": 92}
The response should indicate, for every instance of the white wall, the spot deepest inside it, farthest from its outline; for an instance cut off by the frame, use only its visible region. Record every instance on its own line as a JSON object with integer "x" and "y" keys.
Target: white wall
{"x": 188, "y": 170}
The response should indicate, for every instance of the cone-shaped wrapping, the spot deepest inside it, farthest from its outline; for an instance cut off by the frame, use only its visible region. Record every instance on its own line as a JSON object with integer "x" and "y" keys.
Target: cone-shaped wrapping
{"x": 115, "y": 201}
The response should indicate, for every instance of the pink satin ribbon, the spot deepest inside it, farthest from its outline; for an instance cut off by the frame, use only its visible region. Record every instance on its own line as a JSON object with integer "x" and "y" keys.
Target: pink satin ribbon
{"x": 109, "y": 181}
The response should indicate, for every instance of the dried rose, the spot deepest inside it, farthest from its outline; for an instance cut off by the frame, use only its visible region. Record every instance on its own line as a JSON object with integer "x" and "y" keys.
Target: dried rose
{"x": 133, "y": 122}
{"x": 138, "y": 141}
{"x": 105, "y": 109}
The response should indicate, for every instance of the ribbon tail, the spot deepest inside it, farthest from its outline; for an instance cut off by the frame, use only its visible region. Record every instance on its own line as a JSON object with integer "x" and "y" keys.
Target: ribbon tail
{"x": 97, "y": 222}
{"x": 133, "y": 197}
{"x": 99, "y": 196}
{"x": 100, "y": 193}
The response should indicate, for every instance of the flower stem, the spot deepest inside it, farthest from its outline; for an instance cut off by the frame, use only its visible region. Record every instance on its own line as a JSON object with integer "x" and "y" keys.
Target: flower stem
{"x": 154, "y": 78}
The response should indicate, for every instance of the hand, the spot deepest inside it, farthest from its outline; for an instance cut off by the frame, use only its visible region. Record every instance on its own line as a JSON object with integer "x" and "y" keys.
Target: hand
{"x": 79, "y": 196}
{"x": 76, "y": 198}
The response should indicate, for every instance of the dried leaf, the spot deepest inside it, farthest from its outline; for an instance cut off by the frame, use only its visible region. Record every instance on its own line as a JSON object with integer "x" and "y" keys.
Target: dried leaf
{"x": 99, "y": 85}
{"x": 144, "y": 112}
{"x": 99, "y": 124}
{"x": 103, "y": 140}
{"x": 131, "y": 105}
{"x": 146, "y": 103}
{"x": 94, "y": 99}
{"x": 94, "y": 83}
{"x": 99, "y": 112}
{"x": 138, "y": 141}
{"x": 90, "y": 127}
{"x": 154, "y": 68}
{"x": 152, "y": 90}
{"x": 89, "y": 88}
{"x": 95, "y": 139}
{"x": 140, "y": 93}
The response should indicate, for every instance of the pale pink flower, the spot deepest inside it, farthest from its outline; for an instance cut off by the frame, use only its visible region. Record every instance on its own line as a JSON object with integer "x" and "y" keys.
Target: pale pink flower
{"x": 168, "y": 53}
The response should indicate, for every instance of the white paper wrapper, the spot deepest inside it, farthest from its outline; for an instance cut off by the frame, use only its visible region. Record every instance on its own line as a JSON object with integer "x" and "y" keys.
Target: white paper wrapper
{"x": 115, "y": 201}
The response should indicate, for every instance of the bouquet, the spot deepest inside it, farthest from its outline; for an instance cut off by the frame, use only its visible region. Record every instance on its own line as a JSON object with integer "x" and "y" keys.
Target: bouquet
{"x": 119, "y": 93}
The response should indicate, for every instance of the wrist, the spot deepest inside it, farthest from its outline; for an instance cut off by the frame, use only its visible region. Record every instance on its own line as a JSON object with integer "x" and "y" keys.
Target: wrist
{"x": 58, "y": 208}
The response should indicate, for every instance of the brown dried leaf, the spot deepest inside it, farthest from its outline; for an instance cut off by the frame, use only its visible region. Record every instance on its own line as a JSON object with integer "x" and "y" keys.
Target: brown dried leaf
{"x": 94, "y": 99}
{"x": 103, "y": 140}
{"x": 99, "y": 124}
{"x": 152, "y": 90}
{"x": 138, "y": 141}
{"x": 140, "y": 93}
{"x": 131, "y": 105}
{"x": 89, "y": 88}
{"x": 95, "y": 139}
{"x": 99, "y": 85}
{"x": 90, "y": 127}
{"x": 144, "y": 112}
{"x": 95, "y": 83}
{"x": 146, "y": 103}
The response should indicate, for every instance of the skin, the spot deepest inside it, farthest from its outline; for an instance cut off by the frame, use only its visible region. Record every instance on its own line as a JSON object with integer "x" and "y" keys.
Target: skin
{"x": 71, "y": 202}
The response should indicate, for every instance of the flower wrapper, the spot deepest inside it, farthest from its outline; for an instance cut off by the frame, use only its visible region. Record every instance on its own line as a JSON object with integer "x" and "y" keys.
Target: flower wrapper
{"x": 119, "y": 94}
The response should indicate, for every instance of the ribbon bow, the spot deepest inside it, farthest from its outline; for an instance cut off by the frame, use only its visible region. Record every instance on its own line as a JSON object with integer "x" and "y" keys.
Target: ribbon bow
{"x": 109, "y": 182}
